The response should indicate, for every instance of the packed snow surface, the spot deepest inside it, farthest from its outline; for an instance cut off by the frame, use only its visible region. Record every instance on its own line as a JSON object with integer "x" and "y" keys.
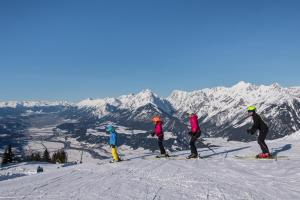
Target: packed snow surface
{"x": 218, "y": 176}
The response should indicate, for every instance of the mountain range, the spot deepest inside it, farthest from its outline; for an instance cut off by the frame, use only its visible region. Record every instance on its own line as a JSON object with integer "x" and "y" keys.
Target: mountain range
{"x": 221, "y": 110}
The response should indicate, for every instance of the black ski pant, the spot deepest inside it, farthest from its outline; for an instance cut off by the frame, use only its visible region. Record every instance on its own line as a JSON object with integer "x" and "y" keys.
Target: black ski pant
{"x": 261, "y": 141}
{"x": 194, "y": 137}
{"x": 161, "y": 145}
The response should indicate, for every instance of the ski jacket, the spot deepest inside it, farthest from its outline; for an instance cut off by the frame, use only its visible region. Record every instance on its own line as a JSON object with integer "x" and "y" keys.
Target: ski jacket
{"x": 194, "y": 124}
{"x": 158, "y": 130}
{"x": 113, "y": 138}
{"x": 258, "y": 124}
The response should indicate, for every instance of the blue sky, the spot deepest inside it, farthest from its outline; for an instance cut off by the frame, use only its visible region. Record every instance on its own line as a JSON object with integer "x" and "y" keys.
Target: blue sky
{"x": 77, "y": 49}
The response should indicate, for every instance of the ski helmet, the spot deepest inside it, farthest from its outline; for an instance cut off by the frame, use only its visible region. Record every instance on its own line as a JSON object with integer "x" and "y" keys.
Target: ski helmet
{"x": 156, "y": 119}
{"x": 110, "y": 128}
{"x": 192, "y": 114}
{"x": 251, "y": 109}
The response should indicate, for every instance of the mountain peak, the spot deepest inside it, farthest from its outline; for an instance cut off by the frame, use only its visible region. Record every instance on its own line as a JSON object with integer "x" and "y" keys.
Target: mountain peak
{"x": 146, "y": 93}
{"x": 242, "y": 85}
{"x": 276, "y": 85}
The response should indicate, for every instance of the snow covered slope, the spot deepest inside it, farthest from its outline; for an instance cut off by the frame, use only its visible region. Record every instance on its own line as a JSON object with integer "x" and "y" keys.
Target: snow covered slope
{"x": 217, "y": 177}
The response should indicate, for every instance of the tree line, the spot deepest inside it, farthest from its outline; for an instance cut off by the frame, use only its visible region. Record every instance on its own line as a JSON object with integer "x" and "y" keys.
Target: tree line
{"x": 59, "y": 156}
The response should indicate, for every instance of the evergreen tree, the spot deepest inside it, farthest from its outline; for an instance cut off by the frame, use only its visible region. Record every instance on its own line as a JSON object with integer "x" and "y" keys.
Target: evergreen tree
{"x": 35, "y": 157}
{"x": 60, "y": 157}
{"x": 11, "y": 155}
{"x": 8, "y": 156}
{"x": 54, "y": 158}
{"x": 46, "y": 156}
{"x": 5, "y": 157}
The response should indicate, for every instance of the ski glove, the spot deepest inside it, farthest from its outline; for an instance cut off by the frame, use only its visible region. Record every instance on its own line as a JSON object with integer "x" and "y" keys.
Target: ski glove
{"x": 152, "y": 134}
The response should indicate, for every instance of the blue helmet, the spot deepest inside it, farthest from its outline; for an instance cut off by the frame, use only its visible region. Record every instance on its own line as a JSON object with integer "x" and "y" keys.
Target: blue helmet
{"x": 110, "y": 128}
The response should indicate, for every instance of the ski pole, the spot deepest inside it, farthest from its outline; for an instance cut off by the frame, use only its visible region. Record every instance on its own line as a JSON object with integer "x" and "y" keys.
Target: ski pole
{"x": 201, "y": 140}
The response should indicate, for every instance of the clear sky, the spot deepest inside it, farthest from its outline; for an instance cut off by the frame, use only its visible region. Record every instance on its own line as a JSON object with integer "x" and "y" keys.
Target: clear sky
{"x": 72, "y": 50}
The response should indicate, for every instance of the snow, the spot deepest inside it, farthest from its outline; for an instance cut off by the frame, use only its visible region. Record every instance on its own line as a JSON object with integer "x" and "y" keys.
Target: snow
{"x": 29, "y": 104}
{"x": 99, "y": 104}
{"x": 293, "y": 137}
{"x": 132, "y": 102}
{"x": 227, "y": 105}
{"x": 218, "y": 106}
{"x": 40, "y": 146}
{"x": 206, "y": 102}
{"x": 218, "y": 176}
{"x": 43, "y": 132}
{"x": 218, "y": 97}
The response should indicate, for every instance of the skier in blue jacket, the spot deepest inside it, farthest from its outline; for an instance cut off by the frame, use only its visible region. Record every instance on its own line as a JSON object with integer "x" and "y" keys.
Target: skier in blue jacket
{"x": 113, "y": 142}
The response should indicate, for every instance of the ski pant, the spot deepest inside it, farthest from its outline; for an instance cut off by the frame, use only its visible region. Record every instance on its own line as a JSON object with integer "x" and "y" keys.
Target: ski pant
{"x": 194, "y": 137}
{"x": 261, "y": 141}
{"x": 161, "y": 145}
{"x": 114, "y": 153}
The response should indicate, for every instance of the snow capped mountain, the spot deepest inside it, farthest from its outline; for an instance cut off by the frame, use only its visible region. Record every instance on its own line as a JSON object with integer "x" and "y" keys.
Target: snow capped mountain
{"x": 29, "y": 104}
{"x": 129, "y": 102}
{"x": 142, "y": 99}
{"x": 222, "y": 98}
{"x": 295, "y": 91}
{"x": 222, "y": 109}
{"x": 99, "y": 107}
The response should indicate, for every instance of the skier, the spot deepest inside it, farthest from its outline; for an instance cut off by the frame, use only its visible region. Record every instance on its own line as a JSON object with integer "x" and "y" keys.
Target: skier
{"x": 195, "y": 134}
{"x": 113, "y": 143}
{"x": 158, "y": 131}
{"x": 260, "y": 125}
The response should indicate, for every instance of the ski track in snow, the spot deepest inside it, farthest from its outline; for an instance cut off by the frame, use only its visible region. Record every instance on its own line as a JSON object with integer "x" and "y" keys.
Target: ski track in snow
{"x": 218, "y": 177}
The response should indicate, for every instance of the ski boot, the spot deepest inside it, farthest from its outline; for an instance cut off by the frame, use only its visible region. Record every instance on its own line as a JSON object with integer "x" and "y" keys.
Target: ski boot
{"x": 264, "y": 156}
{"x": 192, "y": 156}
{"x": 166, "y": 155}
{"x": 115, "y": 161}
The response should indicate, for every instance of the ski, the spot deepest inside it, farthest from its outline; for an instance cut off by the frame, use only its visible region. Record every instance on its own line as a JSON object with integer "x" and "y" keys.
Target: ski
{"x": 158, "y": 156}
{"x": 112, "y": 162}
{"x": 171, "y": 158}
{"x": 197, "y": 158}
{"x": 255, "y": 158}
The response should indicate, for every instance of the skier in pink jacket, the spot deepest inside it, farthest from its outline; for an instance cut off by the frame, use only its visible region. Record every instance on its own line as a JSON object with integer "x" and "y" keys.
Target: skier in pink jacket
{"x": 195, "y": 134}
{"x": 158, "y": 131}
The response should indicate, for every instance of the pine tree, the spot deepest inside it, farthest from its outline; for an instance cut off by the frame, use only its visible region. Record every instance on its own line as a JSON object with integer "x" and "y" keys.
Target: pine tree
{"x": 38, "y": 156}
{"x": 54, "y": 157}
{"x": 35, "y": 157}
{"x": 46, "y": 156}
{"x": 5, "y": 157}
{"x": 8, "y": 156}
{"x": 60, "y": 157}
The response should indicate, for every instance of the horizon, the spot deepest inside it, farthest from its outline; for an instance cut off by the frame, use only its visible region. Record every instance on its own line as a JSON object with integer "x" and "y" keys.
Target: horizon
{"x": 76, "y": 49}
{"x": 143, "y": 90}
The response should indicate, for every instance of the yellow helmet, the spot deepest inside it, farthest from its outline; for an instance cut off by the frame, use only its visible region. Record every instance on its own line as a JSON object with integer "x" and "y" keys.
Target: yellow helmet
{"x": 251, "y": 109}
